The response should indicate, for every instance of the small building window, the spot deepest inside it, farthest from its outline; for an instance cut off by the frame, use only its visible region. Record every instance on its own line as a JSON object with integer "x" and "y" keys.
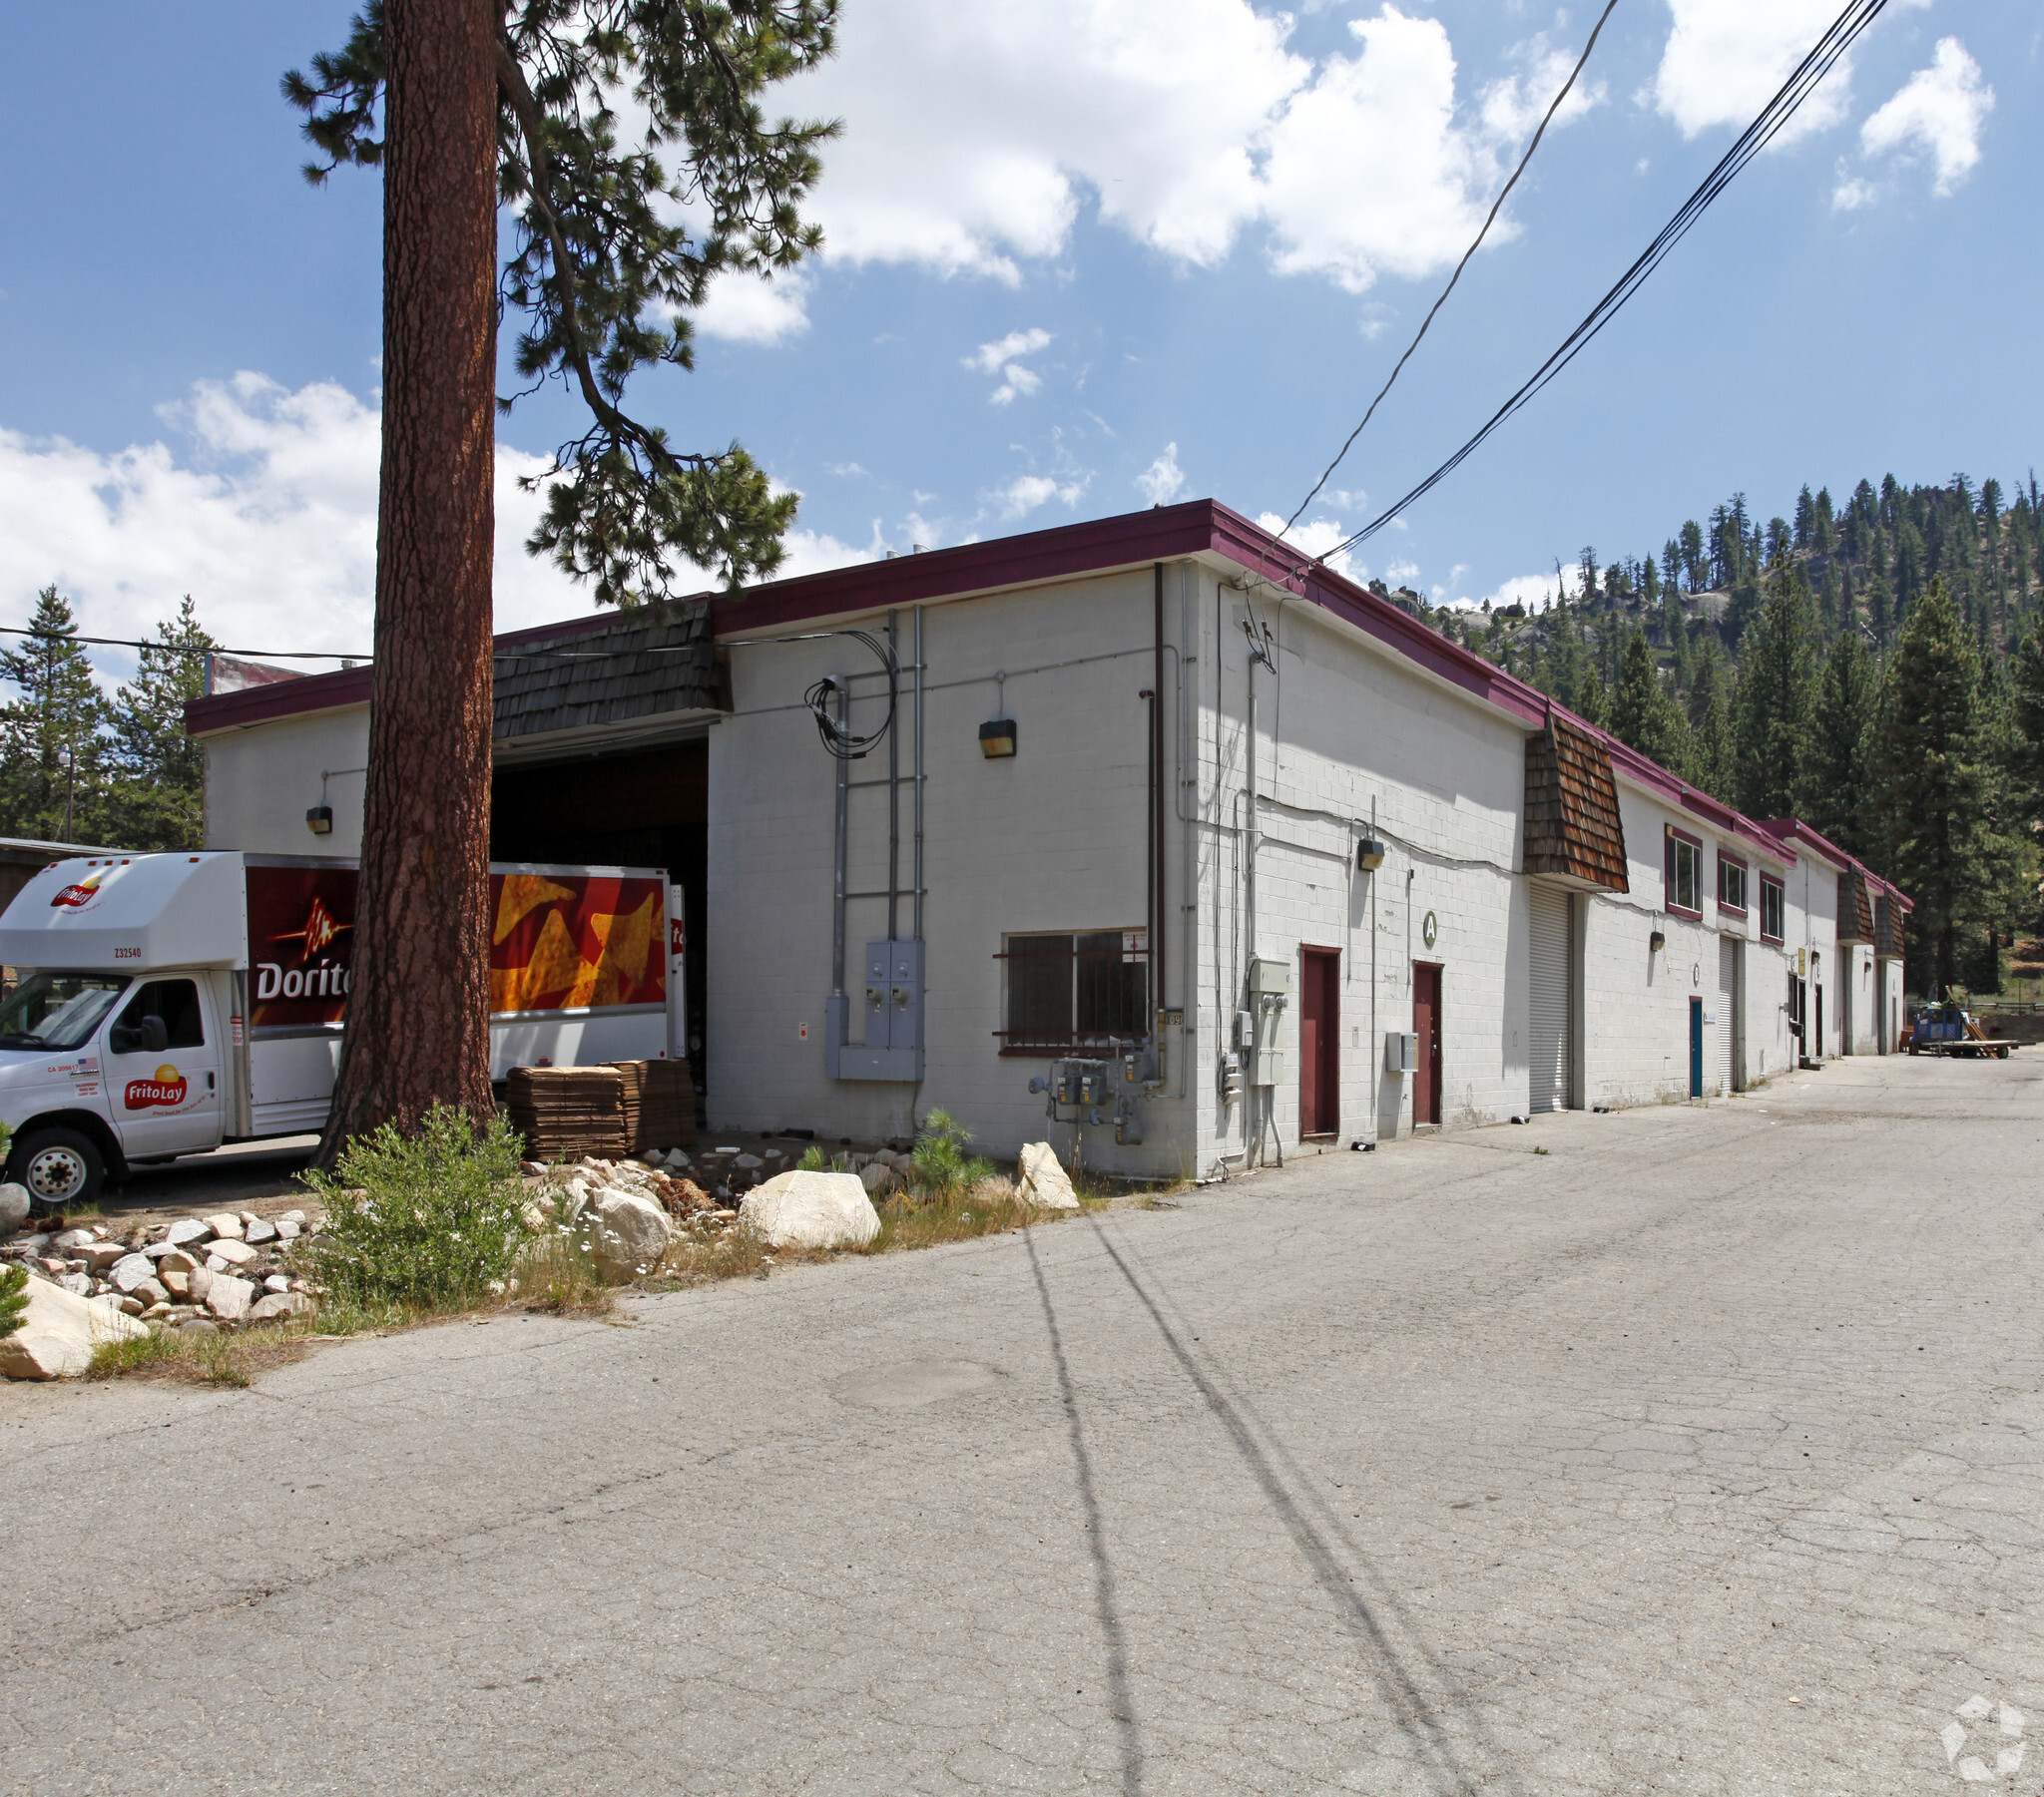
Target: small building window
{"x": 1731, "y": 884}
{"x": 1685, "y": 875}
{"x": 1771, "y": 908}
{"x": 1075, "y": 992}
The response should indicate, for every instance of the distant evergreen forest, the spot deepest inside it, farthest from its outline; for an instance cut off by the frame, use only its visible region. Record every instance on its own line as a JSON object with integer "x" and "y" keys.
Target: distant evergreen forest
{"x": 1875, "y": 669}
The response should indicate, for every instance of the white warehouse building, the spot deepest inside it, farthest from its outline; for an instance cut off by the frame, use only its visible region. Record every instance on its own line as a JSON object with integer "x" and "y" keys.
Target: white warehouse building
{"x": 1164, "y": 847}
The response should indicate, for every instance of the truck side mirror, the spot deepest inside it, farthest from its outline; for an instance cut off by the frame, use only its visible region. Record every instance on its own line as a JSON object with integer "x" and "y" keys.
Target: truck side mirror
{"x": 149, "y": 1037}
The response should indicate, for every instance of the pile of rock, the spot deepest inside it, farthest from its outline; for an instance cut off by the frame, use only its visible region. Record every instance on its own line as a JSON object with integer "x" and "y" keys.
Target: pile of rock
{"x": 226, "y": 1269}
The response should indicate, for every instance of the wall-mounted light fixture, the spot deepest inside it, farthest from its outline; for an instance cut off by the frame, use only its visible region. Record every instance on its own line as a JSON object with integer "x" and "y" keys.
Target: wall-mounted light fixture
{"x": 319, "y": 820}
{"x": 1369, "y": 854}
{"x": 1656, "y": 943}
{"x": 997, "y": 739}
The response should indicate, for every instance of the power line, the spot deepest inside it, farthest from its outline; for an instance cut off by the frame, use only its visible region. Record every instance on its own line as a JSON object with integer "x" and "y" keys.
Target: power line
{"x": 180, "y": 649}
{"x": 1497, "y": 205}
{"x": 1843, "y": 31}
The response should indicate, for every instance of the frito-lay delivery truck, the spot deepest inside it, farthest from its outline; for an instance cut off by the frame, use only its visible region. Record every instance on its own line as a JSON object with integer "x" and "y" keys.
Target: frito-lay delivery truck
{"x": 166, "y": 1004}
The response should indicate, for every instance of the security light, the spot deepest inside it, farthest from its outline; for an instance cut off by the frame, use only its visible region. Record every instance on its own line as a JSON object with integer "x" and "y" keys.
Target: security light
{"x": 319, "y": 820}
{"x": 997, "y": 739}
{"x": 1369, "y": 854}
{"x": 1656, "y": 943}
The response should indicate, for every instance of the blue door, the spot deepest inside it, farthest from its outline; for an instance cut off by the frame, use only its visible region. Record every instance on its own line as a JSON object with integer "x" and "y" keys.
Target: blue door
{"x": 1696, "y": 1048}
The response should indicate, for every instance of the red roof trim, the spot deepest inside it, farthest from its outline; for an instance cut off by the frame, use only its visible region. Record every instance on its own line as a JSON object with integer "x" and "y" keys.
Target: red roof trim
{"x": 1783, "y": 828}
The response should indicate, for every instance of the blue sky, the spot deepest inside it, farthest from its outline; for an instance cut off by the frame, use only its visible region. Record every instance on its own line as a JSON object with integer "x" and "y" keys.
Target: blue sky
{"x": 1081, "y": 254}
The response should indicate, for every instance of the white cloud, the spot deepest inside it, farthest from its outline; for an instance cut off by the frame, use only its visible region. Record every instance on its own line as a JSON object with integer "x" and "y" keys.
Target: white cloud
{"x": 1726, "y": 59}
{"x": 974, "y": 135}
{"x": 1163, "y": 481}
{"x": 1513, "y": 105}
{"x": 989, "y": 357}
{"x": 1852, "y": 192}
{"x": 996, "y": 358}
{"x": 1937, "y": 114}
{"x": 261, "y": 503}
{"x": 1316, "y": 536}
{"x": 815, "y": 551}
{"x": 1533, "y": 591}
{"x": 750, "y": 308}
{"x": 1026, "y": 492}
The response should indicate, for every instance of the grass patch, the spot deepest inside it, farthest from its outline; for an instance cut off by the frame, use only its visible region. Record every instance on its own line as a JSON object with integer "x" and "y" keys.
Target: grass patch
{"x": 989, "y": 1206}
{"x": 220, "y": 1360}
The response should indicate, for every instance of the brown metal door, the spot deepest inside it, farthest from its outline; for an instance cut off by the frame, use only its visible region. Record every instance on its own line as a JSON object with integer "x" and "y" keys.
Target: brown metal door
{"x": 1426, "y": 1025}
{"x": 1320, "y": 1043}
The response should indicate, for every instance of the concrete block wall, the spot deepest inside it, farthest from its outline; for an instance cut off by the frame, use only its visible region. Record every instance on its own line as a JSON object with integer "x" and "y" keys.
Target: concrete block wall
{"x": 1352, "y": 739}
{"x": 1636, "y": 1000}
{"x": 259, "y": 783}
{"x": 1050, "y": 841}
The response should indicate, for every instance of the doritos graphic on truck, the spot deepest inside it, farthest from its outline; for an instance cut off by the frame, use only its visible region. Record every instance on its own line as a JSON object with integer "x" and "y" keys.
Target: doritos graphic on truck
{"x": 559, "y": 941}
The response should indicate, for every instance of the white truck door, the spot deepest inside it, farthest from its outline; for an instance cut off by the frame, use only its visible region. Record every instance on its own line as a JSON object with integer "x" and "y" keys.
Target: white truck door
{"x": 164, "y": 1069}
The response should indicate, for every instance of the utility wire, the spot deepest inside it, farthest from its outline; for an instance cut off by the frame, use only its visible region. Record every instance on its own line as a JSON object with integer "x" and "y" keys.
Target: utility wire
{"x": 1497, "y": 205}
{"x": 180, "y": 649}
{"x": 1843, "y": 31}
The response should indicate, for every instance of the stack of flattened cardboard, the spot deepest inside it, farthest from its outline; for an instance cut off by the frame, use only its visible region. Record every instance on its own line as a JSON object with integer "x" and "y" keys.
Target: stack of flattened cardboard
{"x": 660, "y": 1104}
{"x": 565, "y": 1112}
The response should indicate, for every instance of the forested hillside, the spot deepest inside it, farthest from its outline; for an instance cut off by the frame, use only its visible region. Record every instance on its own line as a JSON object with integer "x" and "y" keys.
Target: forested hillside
{"x": 1874, "y": 668}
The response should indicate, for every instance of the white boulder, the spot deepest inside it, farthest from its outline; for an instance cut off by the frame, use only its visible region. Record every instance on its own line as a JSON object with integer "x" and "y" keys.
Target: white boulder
{"x": 14, "y": 1205}
{"x": 59, "y": 1333}
{"x": 229, "y": 1298}
{"x": 879, "y": 1179}
{"x": 628, "y": 1233}
{"x": 811, "y": 1211}
{"x": 1045, "y": 1183}
{"x": 226, "y": 1225}
{"x": 278, "y": 1305}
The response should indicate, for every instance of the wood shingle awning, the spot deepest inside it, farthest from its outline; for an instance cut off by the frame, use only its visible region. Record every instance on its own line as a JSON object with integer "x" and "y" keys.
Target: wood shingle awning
{"x": 1572, "y": 828}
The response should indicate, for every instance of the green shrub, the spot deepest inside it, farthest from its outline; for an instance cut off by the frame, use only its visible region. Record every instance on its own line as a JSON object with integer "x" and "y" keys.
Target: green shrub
{"x": 812, "y": 1160}
{"x": 943, "y": 1166}
{"x": 13, "y": 1299}
{"x": 426, "y": 1219}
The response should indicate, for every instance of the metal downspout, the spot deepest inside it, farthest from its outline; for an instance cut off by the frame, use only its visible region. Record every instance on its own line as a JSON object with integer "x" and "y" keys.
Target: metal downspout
{"x": 1157, "y": 941}
{"x": 894, "y": 805}
{"x": 838, "y": 878}
{"x": 921, "y": 782}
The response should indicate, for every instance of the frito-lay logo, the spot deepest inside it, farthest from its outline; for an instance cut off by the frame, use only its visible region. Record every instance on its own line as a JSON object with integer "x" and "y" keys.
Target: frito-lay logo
{"x": 73, "y": 896}
{"x": 166, "y": 1087}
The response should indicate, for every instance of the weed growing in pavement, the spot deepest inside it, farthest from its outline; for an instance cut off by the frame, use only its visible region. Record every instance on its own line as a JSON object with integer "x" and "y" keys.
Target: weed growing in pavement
{"x": 430, "y": 1220}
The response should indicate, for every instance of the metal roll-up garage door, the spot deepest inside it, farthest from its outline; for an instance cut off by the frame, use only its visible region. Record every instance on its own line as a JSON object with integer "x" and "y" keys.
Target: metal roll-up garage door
{"x": 1546, "y": 1061}
{"x": 1727, "y": 1008}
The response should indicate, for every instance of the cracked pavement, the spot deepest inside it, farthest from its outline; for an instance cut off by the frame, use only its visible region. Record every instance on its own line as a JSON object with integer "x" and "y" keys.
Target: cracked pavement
{"x": 1700, "y": 1454}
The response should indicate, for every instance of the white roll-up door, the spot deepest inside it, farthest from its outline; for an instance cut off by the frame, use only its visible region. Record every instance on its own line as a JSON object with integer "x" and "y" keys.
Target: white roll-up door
{"x": 1727, "y": 1008}
{"x": 1546, "y": 1061}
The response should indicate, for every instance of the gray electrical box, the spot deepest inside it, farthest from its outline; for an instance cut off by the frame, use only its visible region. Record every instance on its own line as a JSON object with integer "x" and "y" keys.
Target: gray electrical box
{"x": 1270, "y": 983}
{"x": 1401, "y": 1051}
{"x": 891, "y": 1005}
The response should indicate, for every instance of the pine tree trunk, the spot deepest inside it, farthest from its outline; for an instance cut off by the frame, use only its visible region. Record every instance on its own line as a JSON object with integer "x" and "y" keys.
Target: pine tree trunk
{"x": 418, "y": 1009}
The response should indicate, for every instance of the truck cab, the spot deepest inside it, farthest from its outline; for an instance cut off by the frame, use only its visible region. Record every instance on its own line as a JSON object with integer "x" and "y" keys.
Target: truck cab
{"x": 99, "y": 1070}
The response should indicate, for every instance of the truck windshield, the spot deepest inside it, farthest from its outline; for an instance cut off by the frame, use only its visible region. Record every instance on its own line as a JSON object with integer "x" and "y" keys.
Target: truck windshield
{"x": 57, "y": 1009}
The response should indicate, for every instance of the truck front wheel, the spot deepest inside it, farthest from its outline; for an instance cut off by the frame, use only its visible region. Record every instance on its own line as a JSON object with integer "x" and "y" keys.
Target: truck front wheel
{"x": 59, "y": 1168}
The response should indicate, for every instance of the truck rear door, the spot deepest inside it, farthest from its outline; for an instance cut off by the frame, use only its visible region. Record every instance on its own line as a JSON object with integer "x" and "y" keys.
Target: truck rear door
{"x": 167, "y": 1100}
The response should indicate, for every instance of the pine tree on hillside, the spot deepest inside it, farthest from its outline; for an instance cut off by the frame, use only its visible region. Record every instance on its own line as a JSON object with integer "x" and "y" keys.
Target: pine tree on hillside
{"x": 159, "y": 801}
{"x": 1643, "y": 713}
{"x": 1938, "y": 785}
{"x": 1710, "y": 719}
{"x": 1839, "y": 796}
{"x": 1776, "y": 691}
{"x": 51, "y": 750}
{"x": 2026, "y": 681}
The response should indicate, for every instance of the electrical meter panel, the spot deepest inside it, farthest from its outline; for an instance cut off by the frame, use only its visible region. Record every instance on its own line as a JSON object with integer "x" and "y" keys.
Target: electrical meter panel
{"x": 892, "y": 1004}
{"x": 1401, "y": 1051}
{"x": 1269, "y": 986}
{"x": 1102, "y": 1092}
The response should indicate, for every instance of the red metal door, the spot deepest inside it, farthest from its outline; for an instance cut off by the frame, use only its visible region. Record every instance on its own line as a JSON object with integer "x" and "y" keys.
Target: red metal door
{"x": 1320, "y": 1043}
{"x": 1426, "y": 1025}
